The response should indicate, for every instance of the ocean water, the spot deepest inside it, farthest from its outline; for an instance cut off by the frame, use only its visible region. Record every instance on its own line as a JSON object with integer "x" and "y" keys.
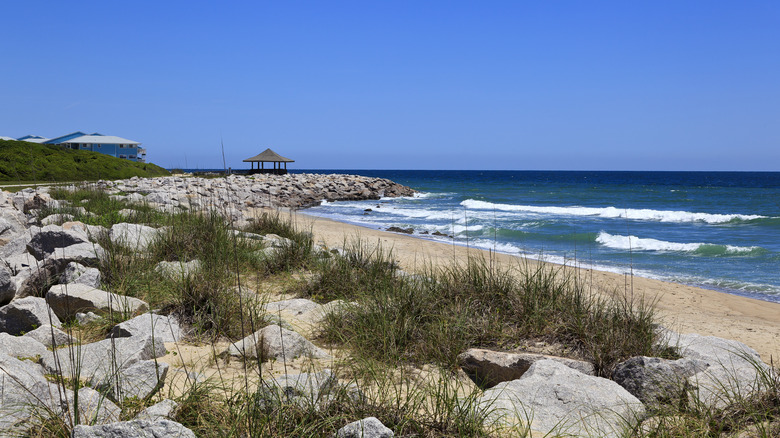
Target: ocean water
{"x": 718, "y": 230}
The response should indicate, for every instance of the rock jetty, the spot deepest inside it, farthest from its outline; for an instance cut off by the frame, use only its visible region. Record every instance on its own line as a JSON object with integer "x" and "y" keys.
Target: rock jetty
{"x": 255, "y": 191}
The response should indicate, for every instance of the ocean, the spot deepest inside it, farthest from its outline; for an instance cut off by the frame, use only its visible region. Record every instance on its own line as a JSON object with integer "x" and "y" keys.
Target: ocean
{"x": 717, "y": 230}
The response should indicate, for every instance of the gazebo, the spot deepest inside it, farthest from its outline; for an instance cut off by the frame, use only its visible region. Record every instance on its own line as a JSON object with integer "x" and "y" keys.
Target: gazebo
{"x": 269, "y": 156}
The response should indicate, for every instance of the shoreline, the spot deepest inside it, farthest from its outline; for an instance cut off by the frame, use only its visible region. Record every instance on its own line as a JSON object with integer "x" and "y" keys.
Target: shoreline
{"x": 683, "y": 308}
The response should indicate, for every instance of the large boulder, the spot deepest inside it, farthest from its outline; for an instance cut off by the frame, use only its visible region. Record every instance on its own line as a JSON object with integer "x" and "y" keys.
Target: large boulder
{"x": 177, "y": 270}
{"x": 557, "y": 399}
{"x": 163, "y": 410}
{"x": 21, "y": 347}
{"x": 134, "y": 429}
{"x": 50, "y": 336}
{"x": 277, "y": 343}
{"x": 162, "y": 328}
{"x": 12, "y": 223}
{"x": 45, "y": 240}
{"x": 101, "y": 361}
{"x": 734, "y": 368}
{"x": 307, "y": 390}
{"x": 654, "y": 380}
{"x": 86, "y": 252}
{"x": 141, "y": 380}
{"x": 23, "y": 391}
{"x": 134, "y": 236}
{"x": 369, "y": 427}
{"x": 489, "y": 368}
{"x": 78, "y": 273}
{"x": 25, "y": 314}
{"x": 68, "y": 299}
{"x": 7, "y": 285}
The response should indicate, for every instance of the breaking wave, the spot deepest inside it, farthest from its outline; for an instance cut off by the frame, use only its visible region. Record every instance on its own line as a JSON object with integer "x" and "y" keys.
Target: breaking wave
{"x": 634, "y": 243}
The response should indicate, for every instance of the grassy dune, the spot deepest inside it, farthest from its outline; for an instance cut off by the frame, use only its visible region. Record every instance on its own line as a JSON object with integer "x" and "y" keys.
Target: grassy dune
{"x": 23, "y": 161}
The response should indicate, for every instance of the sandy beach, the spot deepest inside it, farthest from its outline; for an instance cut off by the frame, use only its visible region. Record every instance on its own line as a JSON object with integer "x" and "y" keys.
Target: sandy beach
{"x": 685, "y": 309}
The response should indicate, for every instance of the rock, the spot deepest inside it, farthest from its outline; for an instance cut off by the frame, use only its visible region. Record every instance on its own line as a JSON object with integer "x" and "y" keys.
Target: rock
{"x": 293, "y": 307}
{"x": 45, "y": 240}
{"x": 177, "y": 270}
{"x": 654, "y": 380}
{"x": 25, "y": 314}
{"x": 162, "y": 328}
{"x": 78, "y": 273}
{"x": 94, "y": 407}
{"x": 134, "y": 236}
{"x": 23, "y": 390}
{"x": 489, "y": 368}
{"x": 306, "y": 390}
{"x": 161, "y": 411}
{"x": 140, "y": 379}
{"x": 734, "y": 368}
{"x": 55, "y": 219}
{"x": 86, "y": 318}
{"x": 17, "y": 245}
{"x": 559, "y": 399}
{"x": 275, "y": 342}
{"x": 20, "y": 262}
{"x": 134, "y": 429}
{"x": 401, "y": 230}
{"x": 21, "y": 347}
{"x": 7, "y": 285}
{"x": 100, "y": 360}
{"x": 68, "y": 299}
{"x": 369, "y": 427}
{"x": 276, "y": 241}
{"x": 50, "y": 336}
{"x": 87, "y": 252}
{"x": 12, "y": 223}
{"x": 37, "y": 281}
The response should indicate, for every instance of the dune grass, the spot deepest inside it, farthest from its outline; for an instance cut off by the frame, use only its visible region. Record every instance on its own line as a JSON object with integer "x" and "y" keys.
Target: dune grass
{"x": 396, "y": 322}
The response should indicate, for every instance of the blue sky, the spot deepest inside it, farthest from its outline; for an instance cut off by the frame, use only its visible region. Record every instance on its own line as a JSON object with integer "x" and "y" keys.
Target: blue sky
{"x": 582, "y": 85}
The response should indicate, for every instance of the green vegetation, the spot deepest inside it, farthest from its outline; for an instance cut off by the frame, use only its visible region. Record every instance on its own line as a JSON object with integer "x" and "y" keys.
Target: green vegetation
{"x": 396, "y": 328}
{"x": 24, "y": 161}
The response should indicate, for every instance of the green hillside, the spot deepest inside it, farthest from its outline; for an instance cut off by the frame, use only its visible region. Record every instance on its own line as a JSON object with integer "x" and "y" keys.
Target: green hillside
{"x": 24, "y": 161}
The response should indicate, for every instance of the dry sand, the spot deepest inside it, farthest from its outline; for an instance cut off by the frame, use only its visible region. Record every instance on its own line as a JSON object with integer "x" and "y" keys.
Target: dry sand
{"x": 685, "y": 309}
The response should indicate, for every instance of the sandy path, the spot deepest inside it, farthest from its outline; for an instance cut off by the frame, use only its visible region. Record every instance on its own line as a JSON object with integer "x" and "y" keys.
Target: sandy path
{"x": 683, "y": 308}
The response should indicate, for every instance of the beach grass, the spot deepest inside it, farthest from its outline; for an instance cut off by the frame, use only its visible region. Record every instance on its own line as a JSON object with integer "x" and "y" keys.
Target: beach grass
{"x": 396, "y": 327}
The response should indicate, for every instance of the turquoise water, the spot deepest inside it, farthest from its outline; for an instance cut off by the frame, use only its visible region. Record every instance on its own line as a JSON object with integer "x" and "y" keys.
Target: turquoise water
{"x": 719, "y": 230}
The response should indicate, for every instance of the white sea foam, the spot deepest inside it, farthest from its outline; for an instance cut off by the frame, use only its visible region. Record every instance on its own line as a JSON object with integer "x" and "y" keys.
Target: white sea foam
{"x": 634, "y": 243}
{"x": 613, "y": 212}
{"x": 457, "y": 229}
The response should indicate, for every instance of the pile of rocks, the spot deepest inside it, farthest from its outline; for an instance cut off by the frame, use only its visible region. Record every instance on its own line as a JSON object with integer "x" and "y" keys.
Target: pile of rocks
{"x": 254, "y": 191}
{"x": 563, "y": 395}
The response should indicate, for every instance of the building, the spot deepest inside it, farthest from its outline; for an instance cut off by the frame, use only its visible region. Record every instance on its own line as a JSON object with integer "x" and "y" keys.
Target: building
{"x": 105, "y": 144}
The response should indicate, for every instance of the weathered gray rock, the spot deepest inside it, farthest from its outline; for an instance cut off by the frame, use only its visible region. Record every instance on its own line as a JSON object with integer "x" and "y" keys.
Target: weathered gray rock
{"x": 163, "y": 410}
{"x": 17, "y": 245}
{"x": 135, "y": 236}
{"x": 140, "y": 379}
{"x": 94, "y": 407}
{"x": 12, "y": 223}
{"x": 20, "y": 262}
{"x": 306, "y": 390}
{"x": 7, "y": 285}
{"x": 68, "y": 299}
{"x": 734, "y": 368}
{"x": 276, "y": 241}
{"x": 45, "y": 240}
{"x": 654, "y": 380}
{"x": 25, "y": 314}
{"x": 50, "y": 336}
{"x": 78, "y": 273}
{"x": 162, "y": 328}
{"x": 101, "y": 360}
{"x": 293, "y": 307}
{"x": 177, "y": 270}
{"x": 369, "y": 427}
{"x": 489, "y": 368}
{"x": 86, "y": 252}
{"x": 56, "y": 219}
{"x": 37, "y": 281}
{"x": 134, "y": 429}
{"x": 21, "y": 347}
{"x": 558, "y": 398}
{"x": 277, "y": 343}
{"x": 23, "y": 390}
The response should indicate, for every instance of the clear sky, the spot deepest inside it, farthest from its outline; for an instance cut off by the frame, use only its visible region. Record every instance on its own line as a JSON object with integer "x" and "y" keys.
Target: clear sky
{"x": 558, "y": 85}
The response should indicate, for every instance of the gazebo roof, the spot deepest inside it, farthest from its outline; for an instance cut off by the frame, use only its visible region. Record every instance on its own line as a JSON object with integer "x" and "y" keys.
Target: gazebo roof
{"x": 269, "y": 156}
